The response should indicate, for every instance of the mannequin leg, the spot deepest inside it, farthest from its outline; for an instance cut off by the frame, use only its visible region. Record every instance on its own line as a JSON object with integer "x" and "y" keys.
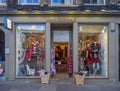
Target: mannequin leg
{"x": 98, "y": 68}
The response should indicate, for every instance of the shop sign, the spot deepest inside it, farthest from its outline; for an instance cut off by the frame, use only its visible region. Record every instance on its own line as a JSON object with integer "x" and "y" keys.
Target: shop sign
{"x": 61, "y": 19}
{"x": 7, "y": 23}
{"x": 61, "y": 36}
{"x": 7, "y": 50}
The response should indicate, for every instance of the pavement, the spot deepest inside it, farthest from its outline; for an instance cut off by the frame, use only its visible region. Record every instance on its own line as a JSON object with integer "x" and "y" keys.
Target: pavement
{"x": 55, "y": 86}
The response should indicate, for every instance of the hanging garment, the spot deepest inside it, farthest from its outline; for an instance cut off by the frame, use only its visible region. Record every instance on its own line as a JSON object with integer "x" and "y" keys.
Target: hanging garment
{"x": 87, "y": 54}
{"x": 95, "y": 51}
{"x": 52, "y": 63}
{"x": 70, "y": 63}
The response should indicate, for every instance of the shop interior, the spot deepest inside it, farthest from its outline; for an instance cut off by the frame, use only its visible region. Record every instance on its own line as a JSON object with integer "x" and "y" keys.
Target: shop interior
{"x": 2, "y": 54}
{"x": 61, "y": 57}
{"x": 2, "y": 46}
{"x": 61, "y": 40}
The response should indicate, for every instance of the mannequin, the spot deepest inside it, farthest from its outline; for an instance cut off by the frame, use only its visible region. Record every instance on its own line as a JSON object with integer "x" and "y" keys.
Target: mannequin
{"x": 87, "y": 55}
{"x": 96, "y": 59}
{"x": 32, "y": 50}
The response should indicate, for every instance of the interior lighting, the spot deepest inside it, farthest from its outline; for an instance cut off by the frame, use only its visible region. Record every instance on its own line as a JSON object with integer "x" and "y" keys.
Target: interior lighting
{"x": 103, "y": 10}
{"x": 87, "y": 10}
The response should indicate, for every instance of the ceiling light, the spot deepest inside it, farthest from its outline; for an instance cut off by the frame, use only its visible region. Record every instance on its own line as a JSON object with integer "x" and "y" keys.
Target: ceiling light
{"x": 103, "y": 10}
{"x": 87, "y": 10}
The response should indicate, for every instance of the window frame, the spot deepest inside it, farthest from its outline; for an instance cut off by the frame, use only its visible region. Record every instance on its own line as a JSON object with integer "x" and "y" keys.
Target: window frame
{"x": 107, "y": 68}
{"x": 96, "y": 3}
{"x": 52, "y": 3}
{"x": 25, "y": 3}
{"x": 16, "y": 29}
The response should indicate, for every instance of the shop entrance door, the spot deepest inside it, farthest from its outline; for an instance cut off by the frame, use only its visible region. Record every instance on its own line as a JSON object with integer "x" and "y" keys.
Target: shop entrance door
{"x": 2, "y": 53}
{"x": 61, "y": 59}
{"x": 2, "y": 47}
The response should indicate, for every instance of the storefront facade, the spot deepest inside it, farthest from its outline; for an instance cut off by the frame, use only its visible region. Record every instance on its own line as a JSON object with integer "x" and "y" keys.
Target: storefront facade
{"x": 61, "y": 43}
{"x": 31, "y": 40}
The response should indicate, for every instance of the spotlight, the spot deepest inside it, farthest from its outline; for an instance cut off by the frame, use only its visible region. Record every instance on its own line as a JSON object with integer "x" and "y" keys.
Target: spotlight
{"x": 87, "y": 10}
{"x": 103, "y": 10}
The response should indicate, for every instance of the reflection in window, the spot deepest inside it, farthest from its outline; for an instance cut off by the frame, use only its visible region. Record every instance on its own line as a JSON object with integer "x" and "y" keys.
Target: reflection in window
{"x": 92, "y": 50}
{"x": 2, "y": 1}
{"x": 62, "y": 2}
{"x": 30, "y": 50}
{"x": 29, "y": 1}
{"x": 94, "y": 1}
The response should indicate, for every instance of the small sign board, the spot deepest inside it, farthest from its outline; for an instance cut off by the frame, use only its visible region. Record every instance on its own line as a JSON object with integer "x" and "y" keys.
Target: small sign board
{"x": 61, "y": 36}
{"x": 7, "y": 50}
{"x": 7, "y": 23}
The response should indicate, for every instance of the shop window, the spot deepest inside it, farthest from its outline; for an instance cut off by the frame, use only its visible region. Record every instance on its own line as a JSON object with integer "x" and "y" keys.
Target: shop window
{"x": 93, "y": 50}
{"x": 29, "y": 2}
{"x": 94, "y": 2}
{"x": 66, "y": 2}
{"x": 2, "y": 2}
{"x": 30, "y": 50}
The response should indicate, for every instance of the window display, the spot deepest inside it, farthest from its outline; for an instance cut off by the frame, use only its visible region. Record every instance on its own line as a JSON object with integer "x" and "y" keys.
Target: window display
{"x": 93, "y": 50}
{"x": 30, "y": 50}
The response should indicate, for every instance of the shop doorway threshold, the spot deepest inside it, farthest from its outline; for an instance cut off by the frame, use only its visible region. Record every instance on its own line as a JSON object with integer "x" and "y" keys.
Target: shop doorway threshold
{"x": 61, "y": 78}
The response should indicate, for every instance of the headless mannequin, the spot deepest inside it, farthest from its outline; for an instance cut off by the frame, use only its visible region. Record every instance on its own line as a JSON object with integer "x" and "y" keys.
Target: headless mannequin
{"x": 96, "y": 60}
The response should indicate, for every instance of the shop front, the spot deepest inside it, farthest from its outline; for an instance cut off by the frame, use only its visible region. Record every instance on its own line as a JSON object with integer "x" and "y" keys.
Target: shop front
{"x": 62, "y": 46}
{"x": 31, "y": 50}
{"x": 89, "y": 47}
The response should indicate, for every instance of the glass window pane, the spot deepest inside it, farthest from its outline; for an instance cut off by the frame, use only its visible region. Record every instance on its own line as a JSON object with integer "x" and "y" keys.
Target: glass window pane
{"x": 100, "y": 1}
{"x": 68, "y": 2}
{"x": 93, "y": 50}
{"x": 29, "y": 1}
{"x": 21, "y": 1}
{"x": 87, "y": 1}
{"x": 3, "y": 1}
{"x": 30, "y": 50}
{"x": 94, "y": 2}
{"x": 54, "y": 1}
{"x": 35, "y": 1}
{"x": 57, "y": 1}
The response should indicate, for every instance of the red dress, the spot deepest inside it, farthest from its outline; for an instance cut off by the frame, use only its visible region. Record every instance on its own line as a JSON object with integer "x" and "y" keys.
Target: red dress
{"x": 88, "y": 55}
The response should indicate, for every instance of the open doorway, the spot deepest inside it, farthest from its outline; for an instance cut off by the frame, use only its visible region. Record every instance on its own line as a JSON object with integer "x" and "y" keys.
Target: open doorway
{"x": 2, "y": 54}
{"x": 61, "y": 59}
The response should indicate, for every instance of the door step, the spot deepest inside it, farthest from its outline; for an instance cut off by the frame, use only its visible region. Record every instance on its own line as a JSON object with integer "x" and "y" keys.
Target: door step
{"x": 61, "y": 81}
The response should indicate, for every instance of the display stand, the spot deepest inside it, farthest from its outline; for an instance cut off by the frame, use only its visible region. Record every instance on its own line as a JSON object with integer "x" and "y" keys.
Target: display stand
{"x": 45, "y": 78}
{"x": 79, "y": 79}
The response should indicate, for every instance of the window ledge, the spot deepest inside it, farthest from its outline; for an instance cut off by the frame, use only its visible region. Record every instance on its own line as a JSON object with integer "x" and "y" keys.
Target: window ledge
{"x": 94, "y": 4}
{"x": 24, "y": 77}
{"x": 97, "y": 77}
{"x": 3, "y": 5}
